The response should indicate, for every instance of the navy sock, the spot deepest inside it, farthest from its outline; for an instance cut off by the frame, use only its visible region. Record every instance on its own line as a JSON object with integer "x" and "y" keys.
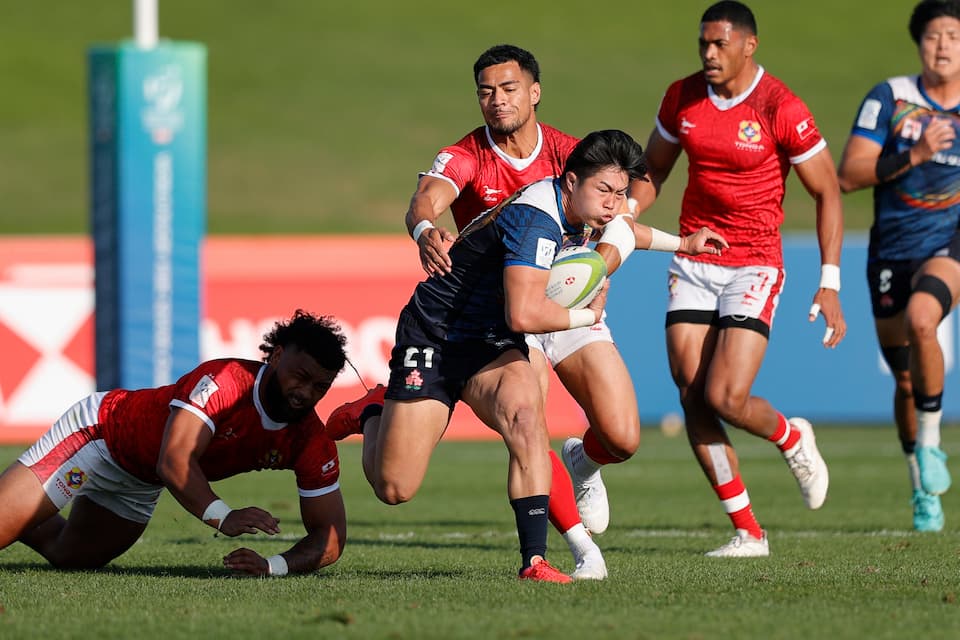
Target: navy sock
{"x": 531, "y": 515}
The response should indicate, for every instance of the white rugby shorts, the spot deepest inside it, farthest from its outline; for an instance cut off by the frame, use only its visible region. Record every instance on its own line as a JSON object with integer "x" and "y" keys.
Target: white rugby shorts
{"x": 71, "y": 459}
{"x": 556, "y": 346}
{"x": 736, "y": 292}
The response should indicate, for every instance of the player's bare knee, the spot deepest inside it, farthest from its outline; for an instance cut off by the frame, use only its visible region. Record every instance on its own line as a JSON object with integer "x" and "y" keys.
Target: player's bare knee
{"x": 728, "y": 406}
{"x": 392, "y": 493}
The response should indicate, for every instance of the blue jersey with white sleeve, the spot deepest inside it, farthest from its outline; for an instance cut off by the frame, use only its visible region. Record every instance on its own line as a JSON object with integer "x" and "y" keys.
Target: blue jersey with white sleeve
{"x": 468, "y": 303}
{"x": 917, "y": 213}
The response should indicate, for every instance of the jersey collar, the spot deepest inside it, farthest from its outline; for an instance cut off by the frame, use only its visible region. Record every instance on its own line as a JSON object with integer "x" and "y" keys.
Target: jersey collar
{"x": 265, "y": 421}
{"x": 518, "y": 164}
{"x": 725, "y": 104}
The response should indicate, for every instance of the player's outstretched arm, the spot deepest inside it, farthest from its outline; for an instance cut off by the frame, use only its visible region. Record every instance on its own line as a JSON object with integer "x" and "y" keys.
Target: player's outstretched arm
{"x": 820, "y": 179}
{"x": 325, "y": 520}
{"x": 185, "y": 439}
{"x": 432, "y": 197}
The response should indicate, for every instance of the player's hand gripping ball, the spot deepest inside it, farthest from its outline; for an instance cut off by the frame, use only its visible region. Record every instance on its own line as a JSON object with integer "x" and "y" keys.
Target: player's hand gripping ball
{"x": 576, "y": 277}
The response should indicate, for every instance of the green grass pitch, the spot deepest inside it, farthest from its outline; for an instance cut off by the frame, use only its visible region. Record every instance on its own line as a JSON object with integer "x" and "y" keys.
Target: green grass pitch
{"x": 443, "y": 565}
{"x": 320, "y": 114}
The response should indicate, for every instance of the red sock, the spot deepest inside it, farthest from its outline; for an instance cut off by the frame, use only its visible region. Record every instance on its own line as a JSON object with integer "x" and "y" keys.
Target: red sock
{"x": 736, "y": 502}
{"x": 596, "y": 451}
{"x": 563, "y": 506}
{"x": 786, "y": 435}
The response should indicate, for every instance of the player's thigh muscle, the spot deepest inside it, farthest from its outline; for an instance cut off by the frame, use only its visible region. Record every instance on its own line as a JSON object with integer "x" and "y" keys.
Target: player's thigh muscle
{"x": 597, "y": 378}
{"x": 409, "y": 432}
{"x": 505, "y": 392}
{"x": 736, "y": 361}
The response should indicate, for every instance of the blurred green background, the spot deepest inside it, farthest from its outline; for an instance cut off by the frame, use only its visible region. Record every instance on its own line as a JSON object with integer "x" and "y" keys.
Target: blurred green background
{"x": 321, "y": 114}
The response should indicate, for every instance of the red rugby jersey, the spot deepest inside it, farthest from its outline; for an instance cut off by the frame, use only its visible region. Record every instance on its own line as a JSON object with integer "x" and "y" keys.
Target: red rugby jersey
{"x": 739, "y": 153}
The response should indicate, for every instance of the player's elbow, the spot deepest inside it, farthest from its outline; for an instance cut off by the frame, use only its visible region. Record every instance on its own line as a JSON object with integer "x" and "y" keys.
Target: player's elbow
{"x": 846, "y": 184}
{"x": 523, "y": 322}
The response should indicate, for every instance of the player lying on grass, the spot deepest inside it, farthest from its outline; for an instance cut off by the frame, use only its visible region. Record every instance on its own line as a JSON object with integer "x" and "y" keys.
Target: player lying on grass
{"x": 112, "y": 453}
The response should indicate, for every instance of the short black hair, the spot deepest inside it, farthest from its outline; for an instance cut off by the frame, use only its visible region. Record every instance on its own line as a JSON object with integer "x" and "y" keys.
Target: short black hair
{"x": 736, "y": 13}
{"x": 502, "y": 53}
{"x": 318, "y": 336}
{"x": 929, "y": 10}
{"x": 607, "y": 148}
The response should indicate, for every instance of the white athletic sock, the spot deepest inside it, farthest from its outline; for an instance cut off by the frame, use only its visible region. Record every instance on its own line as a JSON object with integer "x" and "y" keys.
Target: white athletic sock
{"x": 582, "y": 463}
{"x": 928, "y": 428}
{"x": 578, "y": 540}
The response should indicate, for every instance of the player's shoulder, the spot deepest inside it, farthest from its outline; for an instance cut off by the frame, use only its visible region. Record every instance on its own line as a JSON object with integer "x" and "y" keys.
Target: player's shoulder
{"x": 474, "y": 140}
{"x": 773, "y": 90}
{"x": 225, "y": 372}
{"x": 555, "y": 135}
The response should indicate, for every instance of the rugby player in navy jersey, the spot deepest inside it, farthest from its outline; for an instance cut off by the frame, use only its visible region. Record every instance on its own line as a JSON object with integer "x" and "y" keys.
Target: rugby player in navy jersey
{"x": 905, "y": 144}
{"x": 461, "y": 336}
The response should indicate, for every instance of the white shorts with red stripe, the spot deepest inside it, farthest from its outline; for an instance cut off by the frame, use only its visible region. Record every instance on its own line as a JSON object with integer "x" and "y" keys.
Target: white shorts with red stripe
{"x": 71, "y": 459}
{"x": 749, "y": 292}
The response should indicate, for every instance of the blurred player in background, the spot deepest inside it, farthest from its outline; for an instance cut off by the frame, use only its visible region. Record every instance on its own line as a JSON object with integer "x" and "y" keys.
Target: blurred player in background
{"x": 113, "y": 453}
{"x": 905, "y": 145}
{"x": 742, "y": 130}
{"x": 461, "y": 336}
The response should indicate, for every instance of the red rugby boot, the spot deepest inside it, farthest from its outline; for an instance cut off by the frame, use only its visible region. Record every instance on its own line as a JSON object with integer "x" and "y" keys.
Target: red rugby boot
{"x": 346, "y": 419}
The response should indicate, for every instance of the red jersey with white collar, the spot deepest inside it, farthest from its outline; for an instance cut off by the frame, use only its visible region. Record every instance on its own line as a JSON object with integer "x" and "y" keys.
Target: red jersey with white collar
{"x": 739, "y": 152}
{"x": 225, "y": 395}
{"x": 483, "y": 174}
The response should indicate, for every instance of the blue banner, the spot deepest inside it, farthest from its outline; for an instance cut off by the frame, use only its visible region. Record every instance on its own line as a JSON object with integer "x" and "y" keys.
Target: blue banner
{"x": 148, "y": 191}
{"x": 799, "y": 376}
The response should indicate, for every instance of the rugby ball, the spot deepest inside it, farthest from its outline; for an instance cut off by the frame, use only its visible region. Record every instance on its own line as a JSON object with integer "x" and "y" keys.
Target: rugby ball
{"x": 576, "y": 276}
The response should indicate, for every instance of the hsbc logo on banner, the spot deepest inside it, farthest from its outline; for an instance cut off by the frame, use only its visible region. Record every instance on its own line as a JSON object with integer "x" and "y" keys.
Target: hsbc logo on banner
{"x": 46, "y": 336}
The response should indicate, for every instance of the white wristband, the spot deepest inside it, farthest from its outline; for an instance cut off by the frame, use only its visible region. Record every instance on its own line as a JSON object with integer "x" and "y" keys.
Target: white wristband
{"x": 582, "y": 318}
{"x": 422, "y": 226}
{"x": 216, "y": 510}
{"x": 830, "y": 277}
{"x": 277, "y": 566}
{"x": 663, "y": 241}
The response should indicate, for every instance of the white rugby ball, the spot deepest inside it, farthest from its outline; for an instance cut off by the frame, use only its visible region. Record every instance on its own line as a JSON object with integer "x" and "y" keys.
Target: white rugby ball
{"x": 576, "y": 277}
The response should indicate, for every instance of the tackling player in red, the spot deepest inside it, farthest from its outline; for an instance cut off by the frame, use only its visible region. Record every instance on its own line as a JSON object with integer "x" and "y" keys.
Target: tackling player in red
{"x": 114, "y": 452}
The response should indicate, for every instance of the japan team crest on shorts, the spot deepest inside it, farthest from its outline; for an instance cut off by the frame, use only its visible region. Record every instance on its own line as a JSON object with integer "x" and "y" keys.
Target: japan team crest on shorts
{"x": 414, "y": 380}
{"x": 75, "y": 478}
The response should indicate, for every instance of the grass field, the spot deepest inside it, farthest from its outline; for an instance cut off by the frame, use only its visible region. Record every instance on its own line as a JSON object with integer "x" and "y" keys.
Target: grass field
{"x": 321, "y": 114}
{"x": 442, "y": 566}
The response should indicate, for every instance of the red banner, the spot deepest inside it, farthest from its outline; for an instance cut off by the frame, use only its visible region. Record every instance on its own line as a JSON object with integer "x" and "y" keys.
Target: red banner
{"x": 47, "y": 311}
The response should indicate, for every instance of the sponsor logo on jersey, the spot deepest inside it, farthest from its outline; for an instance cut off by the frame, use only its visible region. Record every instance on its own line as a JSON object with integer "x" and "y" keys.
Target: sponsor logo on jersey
{"x": 413, "y": 381}
{"x": 491, "y": 195}
{"x": 440, "y": 162}
{"x": 869, "y": 114}
{"x": 75, "y": 478}
{"x": 686, "y": 126}
{"x": 749, "y": 131}
{"x": 201, "y": 393}
{"x": 805, "y": 128}
{"x": 546, "y": 250}
{"x": 911, "y": 130}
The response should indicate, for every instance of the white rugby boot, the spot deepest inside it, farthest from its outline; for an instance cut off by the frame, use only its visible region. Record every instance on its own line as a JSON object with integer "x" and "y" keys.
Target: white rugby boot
{"x": 742, "y": 545}
{"x": 807, "y": 465}
{"x": 589, "y": 491}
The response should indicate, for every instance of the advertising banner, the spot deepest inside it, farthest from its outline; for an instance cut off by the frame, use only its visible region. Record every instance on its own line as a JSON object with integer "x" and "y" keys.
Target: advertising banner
{"x": 148, "y": 159}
